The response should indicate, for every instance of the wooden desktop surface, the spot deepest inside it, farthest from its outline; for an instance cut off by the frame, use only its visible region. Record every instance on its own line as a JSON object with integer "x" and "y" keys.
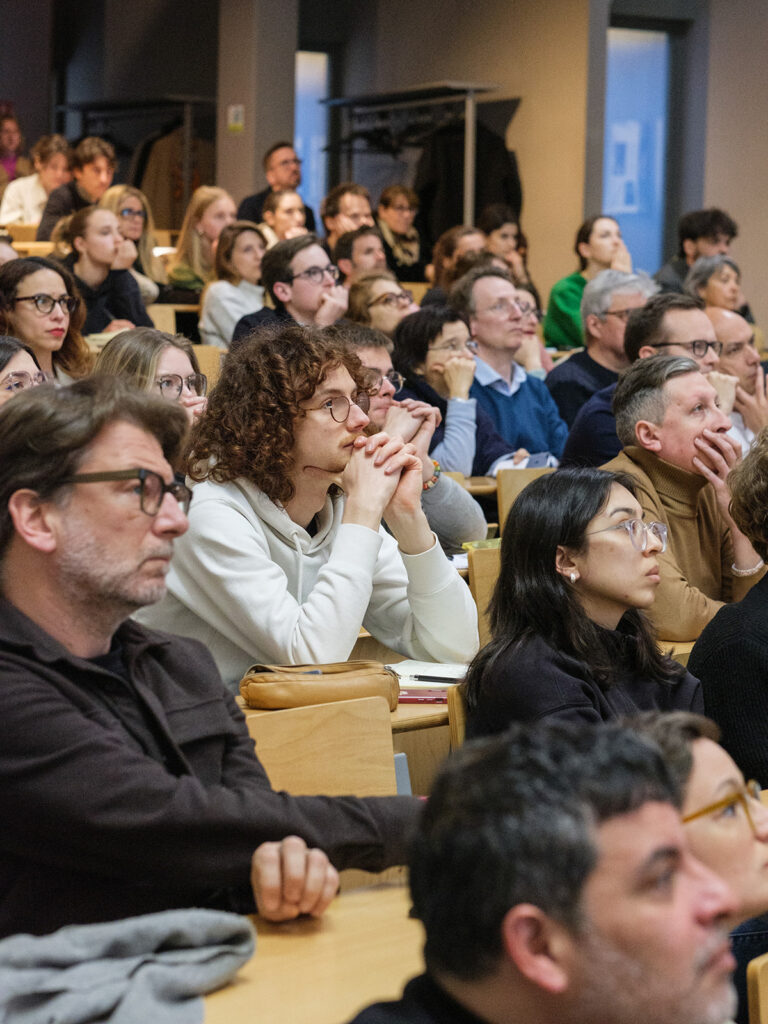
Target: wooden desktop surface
{"x": 362, "y": 950}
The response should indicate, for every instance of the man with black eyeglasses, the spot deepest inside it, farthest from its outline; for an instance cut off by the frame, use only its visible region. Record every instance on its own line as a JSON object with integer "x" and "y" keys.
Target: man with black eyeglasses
{"x": 303, "y": 284}
{"x": 128, "y": 781}
{"x": 286, "y": 556}
{"x": 282, "y": 169}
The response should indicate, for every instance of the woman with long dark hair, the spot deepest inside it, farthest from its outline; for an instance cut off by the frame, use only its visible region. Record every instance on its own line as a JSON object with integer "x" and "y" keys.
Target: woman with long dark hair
{"x": 570, "y": 637}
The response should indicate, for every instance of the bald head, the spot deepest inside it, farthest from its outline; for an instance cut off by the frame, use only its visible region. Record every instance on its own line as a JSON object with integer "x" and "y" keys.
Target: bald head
{"x": 739, "y": 356}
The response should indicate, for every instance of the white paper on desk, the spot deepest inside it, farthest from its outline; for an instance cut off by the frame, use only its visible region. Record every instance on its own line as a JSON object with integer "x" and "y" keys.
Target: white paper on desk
{"x": 460, "y": 560}
{"x": 428, "y": 675}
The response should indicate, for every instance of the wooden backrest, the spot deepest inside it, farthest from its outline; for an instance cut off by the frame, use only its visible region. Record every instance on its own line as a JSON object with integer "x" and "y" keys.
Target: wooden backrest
{"x": 33, "y": 248}
{"x": 339, "y": 749}
{"x": 209, "y": 357}
{"x": 757, "y": 989}
{"x": 457, "y": 716}
{"x": 418, "y": 288}
{"x": 483, "y": 572}
{"x": 22, "y": 232}
{"x": 163, "y": 314}
{"x": 509, "y": 483}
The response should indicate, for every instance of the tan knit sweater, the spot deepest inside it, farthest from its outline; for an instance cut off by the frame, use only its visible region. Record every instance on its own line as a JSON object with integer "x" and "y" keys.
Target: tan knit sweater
{"x": 696, "y": 576}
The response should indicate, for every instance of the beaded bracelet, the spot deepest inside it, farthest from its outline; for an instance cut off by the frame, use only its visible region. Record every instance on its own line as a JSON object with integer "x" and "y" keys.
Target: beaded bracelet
{"x": 748, "y": 572}
{"x": 431, "y": 482}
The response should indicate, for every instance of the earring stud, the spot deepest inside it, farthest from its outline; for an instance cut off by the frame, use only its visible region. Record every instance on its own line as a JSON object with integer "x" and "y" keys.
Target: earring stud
{"x": 573, "y": 577}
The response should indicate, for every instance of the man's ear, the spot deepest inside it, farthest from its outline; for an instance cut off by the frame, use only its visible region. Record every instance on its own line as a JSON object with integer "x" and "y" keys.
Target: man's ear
{"x": 646, "y": 351}
{"x": 565, "y": 563}
{"x": 647, "y": 435}
{"x": 345, "y": 266}
{"x": 283, "y": 291}
{"x": 34, "y": 520}
{"x": 540, "y": 948}
{"x": 593, "y": 325}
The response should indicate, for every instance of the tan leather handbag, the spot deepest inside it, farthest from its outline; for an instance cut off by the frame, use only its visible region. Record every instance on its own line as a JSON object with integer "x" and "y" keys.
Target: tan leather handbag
{"x": 295, "y": 686}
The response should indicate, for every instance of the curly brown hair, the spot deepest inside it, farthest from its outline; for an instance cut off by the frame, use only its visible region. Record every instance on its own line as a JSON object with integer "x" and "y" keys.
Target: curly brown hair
{"x": 248, "y": 428}
{"x": 748, "y": 484}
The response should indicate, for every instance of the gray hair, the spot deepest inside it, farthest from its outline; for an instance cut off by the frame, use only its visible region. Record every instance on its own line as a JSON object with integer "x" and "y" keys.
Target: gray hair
{"x": 640, "y": 394}
{"x": 704, "y": 268}
{"x": 599, "y": 292}
{"x": 462, "y": 297}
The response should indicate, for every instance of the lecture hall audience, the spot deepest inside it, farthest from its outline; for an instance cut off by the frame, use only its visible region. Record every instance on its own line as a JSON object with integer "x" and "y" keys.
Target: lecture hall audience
{"x": 322, "y": 507}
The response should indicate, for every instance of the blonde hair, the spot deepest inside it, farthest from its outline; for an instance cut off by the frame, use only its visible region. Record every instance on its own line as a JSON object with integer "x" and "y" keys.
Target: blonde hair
{"x": 133, "y": 355}
{"x": 113, "y": 200}
{"x": 189, "y": 250}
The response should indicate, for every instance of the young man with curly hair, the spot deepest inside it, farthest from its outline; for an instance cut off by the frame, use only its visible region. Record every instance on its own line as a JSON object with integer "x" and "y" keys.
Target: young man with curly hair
{"x": 286, "y": 557}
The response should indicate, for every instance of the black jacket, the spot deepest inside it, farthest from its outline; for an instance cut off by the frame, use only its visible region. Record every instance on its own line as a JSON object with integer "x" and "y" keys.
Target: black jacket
{"x": 137, "y": 790}
{"x": 530, "y": 681}
{"x": 62, "y": 201}
{"x": 116, "y": 298}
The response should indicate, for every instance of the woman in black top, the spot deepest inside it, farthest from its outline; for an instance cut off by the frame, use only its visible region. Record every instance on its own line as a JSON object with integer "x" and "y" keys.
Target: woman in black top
{"x": 570, "y": 639}
{"x": 111, "y": 296}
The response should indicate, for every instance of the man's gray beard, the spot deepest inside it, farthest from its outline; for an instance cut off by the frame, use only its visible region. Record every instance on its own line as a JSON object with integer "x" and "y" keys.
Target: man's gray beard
{"x": 617, "y": 989}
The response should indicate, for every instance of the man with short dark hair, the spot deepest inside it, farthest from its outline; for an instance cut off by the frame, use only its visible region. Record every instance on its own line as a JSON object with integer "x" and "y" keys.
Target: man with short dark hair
{"x": 669, "y": 324}
{"x": 522, "y": 410}
{"x": 555, "y": 884}
{"x": 282, "y": 169}
{"x": 303, "y": 284}
{"x": 606, "y": 303}
{"x": 699, "y": 233}
{"x": 359, "y": 252}
{"x": 346, "y": 208}
{"x": 93, "y": 167}
{"x": 128, "y": 781}
{"x": 677, "y": 448}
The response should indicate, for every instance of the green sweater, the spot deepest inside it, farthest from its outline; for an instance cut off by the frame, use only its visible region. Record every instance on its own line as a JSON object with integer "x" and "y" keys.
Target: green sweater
{"x": 562, "y": 324}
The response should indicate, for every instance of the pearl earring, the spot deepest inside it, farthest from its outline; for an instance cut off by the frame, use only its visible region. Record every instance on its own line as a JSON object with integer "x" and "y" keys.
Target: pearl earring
{"x": 573, "y": 577}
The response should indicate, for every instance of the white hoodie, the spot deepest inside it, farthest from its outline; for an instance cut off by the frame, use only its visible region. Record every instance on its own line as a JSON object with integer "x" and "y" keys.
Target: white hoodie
{"x": 255, "y": 587}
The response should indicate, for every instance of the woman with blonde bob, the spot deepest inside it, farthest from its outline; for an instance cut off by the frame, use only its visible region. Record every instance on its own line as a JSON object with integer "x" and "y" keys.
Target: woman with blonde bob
{"x": 164, "y": 364}
{"x": 137, "y": 226}
{"x": 210, "y": 210}
{"x": 236, "y": 292}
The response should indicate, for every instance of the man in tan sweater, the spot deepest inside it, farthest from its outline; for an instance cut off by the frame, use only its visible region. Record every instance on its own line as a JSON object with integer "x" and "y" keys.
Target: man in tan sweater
{"x": 677, "y": 449}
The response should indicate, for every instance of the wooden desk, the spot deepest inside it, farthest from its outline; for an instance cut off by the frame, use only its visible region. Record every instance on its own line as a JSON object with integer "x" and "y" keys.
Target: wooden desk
{"x": 420, "y": 731}
{"x": 362, "y": 950}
